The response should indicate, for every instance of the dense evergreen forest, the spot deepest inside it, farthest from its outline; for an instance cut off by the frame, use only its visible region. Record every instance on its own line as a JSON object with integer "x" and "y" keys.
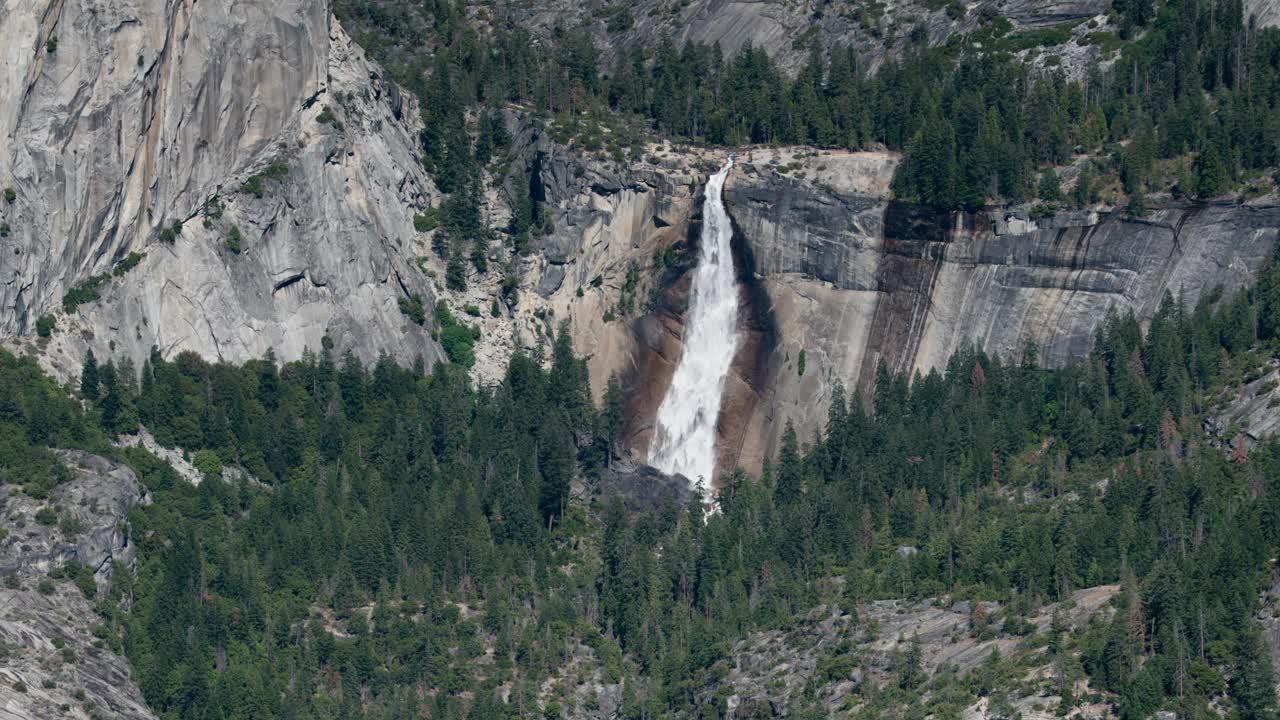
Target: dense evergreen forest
{"x": 407, "y": 533}
{"x": 1194, "y": 83}
{"x": 401, "y": 543}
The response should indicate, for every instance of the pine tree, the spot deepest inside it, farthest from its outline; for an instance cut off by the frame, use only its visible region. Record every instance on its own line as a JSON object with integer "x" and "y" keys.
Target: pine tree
{"x": 89, "y": 376}
{"x": 611, "y": 416}
{"x": 455, "y": 274}
{"x": 789, "y": 487}
{"x": 1208, "y": 173}
{"x": 556, "y": 464}
{"x": 1050, "y": 188}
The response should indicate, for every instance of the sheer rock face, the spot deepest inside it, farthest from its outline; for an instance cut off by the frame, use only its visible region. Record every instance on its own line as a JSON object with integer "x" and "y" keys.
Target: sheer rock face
{"x": 608, "y": 218}
{"x": 97, "y": 498}
{"x": 119, "y": 119}
{"x": 834, "y": 272}
{"x": 854, "y": 280}
{"x": 643, "y": 488}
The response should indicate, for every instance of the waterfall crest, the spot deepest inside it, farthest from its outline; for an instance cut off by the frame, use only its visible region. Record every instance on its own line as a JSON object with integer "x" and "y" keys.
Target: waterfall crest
{"x": 685, "y": 436}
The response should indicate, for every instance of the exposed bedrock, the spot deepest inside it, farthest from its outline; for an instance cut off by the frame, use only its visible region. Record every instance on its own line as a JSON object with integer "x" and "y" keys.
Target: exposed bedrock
{"x": 609, "y": 220}
{"x": 140, "y": 114}
{"x": 53, "y": 658}
{"x": 853, "y": 280}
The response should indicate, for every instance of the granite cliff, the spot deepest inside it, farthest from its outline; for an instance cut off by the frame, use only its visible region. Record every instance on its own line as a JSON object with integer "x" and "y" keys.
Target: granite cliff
{"x": 263, "y": 171}
{"x": 855, "y": 279}
{"x": 833, "y": 271}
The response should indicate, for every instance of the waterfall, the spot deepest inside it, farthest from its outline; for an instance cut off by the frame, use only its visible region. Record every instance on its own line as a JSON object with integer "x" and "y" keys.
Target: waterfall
{"x": 685, "y": 438}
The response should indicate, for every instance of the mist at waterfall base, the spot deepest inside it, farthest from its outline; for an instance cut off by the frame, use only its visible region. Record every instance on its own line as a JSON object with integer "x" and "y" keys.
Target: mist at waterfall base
{"x": 685, "y": 437}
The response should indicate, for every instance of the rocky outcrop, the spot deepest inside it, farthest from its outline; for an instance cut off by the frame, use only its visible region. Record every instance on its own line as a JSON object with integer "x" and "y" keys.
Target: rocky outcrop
{"x": 612, "y": 224}
{"x": 828, "y": 655}
{"x": 289, "y": 161}
{"x": 50, "y": 658}
{"x": 1041, "y": 13}
{"x": 642, "y": 488}
{"x": 1245, "y": 415}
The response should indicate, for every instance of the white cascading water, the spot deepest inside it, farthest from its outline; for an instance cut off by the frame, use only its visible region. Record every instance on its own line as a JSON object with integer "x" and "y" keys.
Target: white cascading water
{"x": 685, "y": 437}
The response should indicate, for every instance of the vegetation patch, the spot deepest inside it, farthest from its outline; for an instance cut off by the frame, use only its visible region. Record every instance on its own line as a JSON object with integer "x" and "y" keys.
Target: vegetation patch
{"x": 255, "y": 185}
{"x": 87, "y": 291}
{"x": 457, "y": 338}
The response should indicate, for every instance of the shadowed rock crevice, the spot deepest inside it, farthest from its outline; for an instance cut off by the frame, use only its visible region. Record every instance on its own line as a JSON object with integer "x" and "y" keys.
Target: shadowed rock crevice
{"x": 915, "y": 239}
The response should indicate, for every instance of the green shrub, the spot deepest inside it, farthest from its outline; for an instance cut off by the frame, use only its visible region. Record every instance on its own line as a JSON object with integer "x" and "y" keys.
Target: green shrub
{"x": 45, "y": 587}
{"x": 51, "y": 45}
{"x": 88, "y": 586}
{"x": 129, "y": 262}
{"x": 4, "y": 230}
{"x": 87, "y": 291}
{"x": 458, "y": 339}
{"x": 472, "y": 310}
{"x": 46, "y": 516}
{"x": 71, "y": 526}
{"x": 1107, "y": 42}
{"x": 213, "y": 208}
{"x": 254, "y": 184}
{"x": 208, "y": 463}
{"x": 82, "y": 576}
{"x": 1040, "y": 37}
{"x": 620, "y": 21}
{"x": 233, "y": 240}
{"x": 412, "y": 306}
{"x": 427, "y": 220}
{"x": 10, "y": 195}
{"x": 326, "y": 117}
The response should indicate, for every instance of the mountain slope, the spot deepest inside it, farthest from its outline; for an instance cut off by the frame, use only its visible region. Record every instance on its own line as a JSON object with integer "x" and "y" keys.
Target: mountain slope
{"x": 141, "y": 128}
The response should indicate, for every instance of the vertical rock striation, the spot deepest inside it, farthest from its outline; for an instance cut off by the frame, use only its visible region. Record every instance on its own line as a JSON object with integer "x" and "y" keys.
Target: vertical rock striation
{"x": 855, "y": 280}
{"x": 120, "y": 119}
